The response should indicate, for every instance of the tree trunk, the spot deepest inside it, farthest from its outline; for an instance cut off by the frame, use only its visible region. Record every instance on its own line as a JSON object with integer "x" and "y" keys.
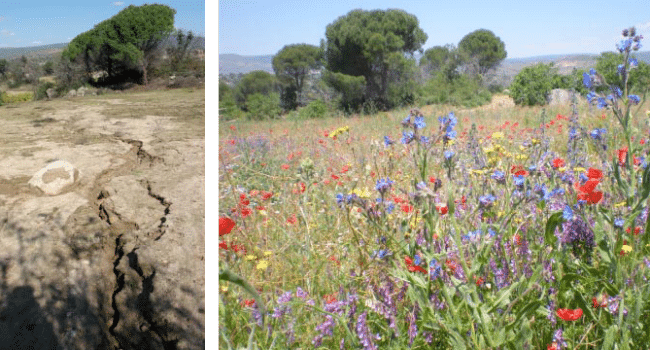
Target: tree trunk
{"x": 144, "y": 72}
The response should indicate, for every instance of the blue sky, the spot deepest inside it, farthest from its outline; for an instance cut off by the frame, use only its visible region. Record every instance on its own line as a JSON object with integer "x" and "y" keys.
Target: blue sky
{"x": 32, "y": 23}
{"x": 528, "y": 28}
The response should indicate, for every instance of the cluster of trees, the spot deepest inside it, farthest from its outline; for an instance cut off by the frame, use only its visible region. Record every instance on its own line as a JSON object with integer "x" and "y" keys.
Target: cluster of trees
{"x": 533, "y": 85}
{"x": 367, "y": 61}
{"x": 138, "y": 43}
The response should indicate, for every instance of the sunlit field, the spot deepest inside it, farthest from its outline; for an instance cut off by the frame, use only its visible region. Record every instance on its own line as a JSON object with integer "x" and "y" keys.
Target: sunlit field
{"x": 438, "y": 227}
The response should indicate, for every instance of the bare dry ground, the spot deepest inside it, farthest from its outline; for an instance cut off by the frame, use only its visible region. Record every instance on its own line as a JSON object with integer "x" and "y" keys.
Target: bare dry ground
{"x": 116, "y": 261}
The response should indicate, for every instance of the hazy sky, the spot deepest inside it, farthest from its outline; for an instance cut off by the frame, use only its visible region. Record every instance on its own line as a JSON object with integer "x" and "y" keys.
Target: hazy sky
{"x": 528, "y": 28}
{"x": 32, "y": 23}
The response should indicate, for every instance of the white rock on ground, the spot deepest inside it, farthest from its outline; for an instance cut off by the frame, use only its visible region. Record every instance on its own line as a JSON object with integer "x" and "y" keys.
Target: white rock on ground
{"x": 55, "y": 177}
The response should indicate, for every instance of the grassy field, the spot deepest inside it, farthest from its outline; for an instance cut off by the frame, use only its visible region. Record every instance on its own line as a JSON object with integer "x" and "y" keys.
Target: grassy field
{"x": 493, "y": 238}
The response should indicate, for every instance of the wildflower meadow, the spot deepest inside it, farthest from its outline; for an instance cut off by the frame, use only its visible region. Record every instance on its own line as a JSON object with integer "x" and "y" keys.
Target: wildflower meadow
{"x": 441, "y": 228}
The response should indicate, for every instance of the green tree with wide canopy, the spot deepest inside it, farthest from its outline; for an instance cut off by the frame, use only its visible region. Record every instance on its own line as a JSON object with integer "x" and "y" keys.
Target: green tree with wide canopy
{"x": 370, "y": 44}
{"x": 484, "y": 50}
{"x": 126, "y": 40}
{"x": 293, "y": 64}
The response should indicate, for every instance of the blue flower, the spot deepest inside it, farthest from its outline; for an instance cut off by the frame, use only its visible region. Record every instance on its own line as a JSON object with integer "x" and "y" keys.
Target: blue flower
{"x": 567, "y": 213}
{"x": 407, "y": 137}
{"x": 499, "y": 176}
{"x": 383, "y": 185}
{"x": 617, "y": 91}
{"x": 417, "y": 260}
{"x": 591, "y": 96}
{"x": 620, "y": 69}
{"x": 487, "y": 200}
{"x": 390, "y": 206}
{"x": 407, "y": 121}
{"x": 602, "y": 103}
{"x": 421, "y": 185}
{"x": 339, "y": 198}
{"x": 424, "y": 139}
{"x": 634, "y": 99}
{"x": 419, "y": 122}
{"x": 434, "y": 269}
{"x": 519, "y": 180}
{"x": 542, "y": 192}
{"x": 448, "y": 154}
{"x": 587, "y": 81}
{"x": 633, "y": 62}
{"x": 573, "y": 133}
{"x": 592, "y": 71}
{"x": 450, "y": 134}
{"x": 388, "y": 141}
{"x": 624, "y": 45}
{"x": 618, "y": 222}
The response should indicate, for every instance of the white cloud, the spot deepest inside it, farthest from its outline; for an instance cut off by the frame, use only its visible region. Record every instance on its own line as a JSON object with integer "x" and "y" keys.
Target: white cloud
{"x": 117, "y": 3}
{"x": 5, "y": 32}
{"x": 37, "y": 42}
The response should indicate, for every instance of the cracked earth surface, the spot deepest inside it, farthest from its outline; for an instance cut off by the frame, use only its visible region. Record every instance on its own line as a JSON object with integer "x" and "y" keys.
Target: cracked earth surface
{"x": 116, "y": 261}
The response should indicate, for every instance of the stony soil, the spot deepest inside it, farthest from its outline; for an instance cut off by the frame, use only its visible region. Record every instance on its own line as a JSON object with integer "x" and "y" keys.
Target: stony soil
{"x": 116, "y": 261}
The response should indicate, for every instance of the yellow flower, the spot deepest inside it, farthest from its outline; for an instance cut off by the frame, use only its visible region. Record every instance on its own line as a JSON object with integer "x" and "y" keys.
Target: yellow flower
{"x": 224, "y": 289}
{"x": 562, "y": 169}
{"x": 620, "y": 204}
{"x": 262, "y": 265}
{"x": 626, "y": 248}
{"x": 414, "y": 222}
{"x": 535, "y": 141}
{"x": 497, "y": 135}
{"x": 268, "y": 253}
{"x": 579, "y": 169}
{"x": 361, "y": 193}
{"x": 478, "y": 172}
{"x": 250, "y": 257}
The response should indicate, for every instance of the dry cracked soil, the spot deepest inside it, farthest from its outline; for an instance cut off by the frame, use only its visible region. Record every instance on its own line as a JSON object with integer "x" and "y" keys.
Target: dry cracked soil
{"x": 116, "y": 260}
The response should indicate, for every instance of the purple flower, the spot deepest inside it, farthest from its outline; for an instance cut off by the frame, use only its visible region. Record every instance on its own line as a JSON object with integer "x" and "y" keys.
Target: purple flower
{"x": 363, "y": 332}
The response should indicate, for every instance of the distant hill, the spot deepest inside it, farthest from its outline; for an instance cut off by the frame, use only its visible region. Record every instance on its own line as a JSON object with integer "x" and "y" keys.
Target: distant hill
{"x": 231, "y": 63}
{"x": 49, "y": 51}
{"x": 10, "y": 53}
{"x": 505, "y": 73}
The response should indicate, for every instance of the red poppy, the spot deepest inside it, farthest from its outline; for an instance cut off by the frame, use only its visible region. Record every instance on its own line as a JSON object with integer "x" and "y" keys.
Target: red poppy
{"x": 414, "y": 268}
{"x": 223, "y": 245}
{"x": 558, "y": 163}
{"x": 432, "y": 179}
{"x": 266, "y": 195}
{"x": 330, "y": 298}
{"x": 442, "y": 209}
{"x": 407, "y": 208}
{"x": 568, "y": 314}
{"x": 292, "y": 219}
{"x": 518, "y": 170}
{"x": 622, "y": 153}
{"x": 333, "y": 258}
{"x": 285, "y": 166}
{"x": 552, "y": 346}
{"x": 233, "y": 128}
{"x": 345, "y": 169}
{"x": 335, "y": 177}
{"x": 595, "y": 197}
{"x": 480, "y": 281}
{"x": 246, "y": 212}
{"x": 225, "y": 226}
{"x": 594, "y": 174}
{"x": 589, "y": 186}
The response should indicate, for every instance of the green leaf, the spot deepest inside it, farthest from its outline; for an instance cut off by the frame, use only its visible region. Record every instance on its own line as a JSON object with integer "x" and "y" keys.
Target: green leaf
{"x": 553, "y": 221}
{"x": 227, "y": 275}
